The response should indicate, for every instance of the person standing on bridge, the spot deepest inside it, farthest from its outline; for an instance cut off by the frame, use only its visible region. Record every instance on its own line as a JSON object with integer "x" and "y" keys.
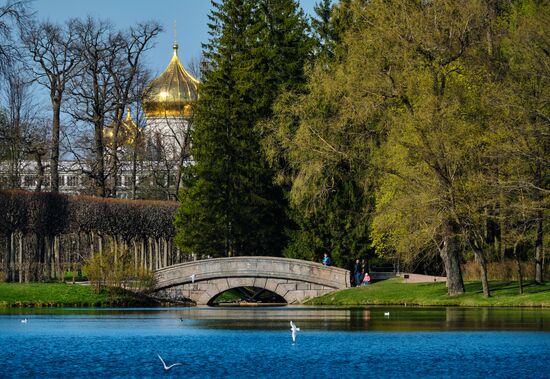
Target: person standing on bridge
{"x": 326, "y": 260}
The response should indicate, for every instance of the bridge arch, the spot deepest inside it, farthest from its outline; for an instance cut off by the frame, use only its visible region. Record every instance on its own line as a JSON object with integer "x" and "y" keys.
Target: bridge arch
{"x": 292, "y": 279}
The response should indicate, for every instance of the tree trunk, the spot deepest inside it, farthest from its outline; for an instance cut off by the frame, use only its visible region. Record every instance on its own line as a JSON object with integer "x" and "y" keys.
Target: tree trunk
{"x": 165, "y": 243}
{"x": 20, "y": 258}
{"x": 57, "y": 258}
{"x": 100, "y": 244}
{"x": 54, "y": 157}
{"x": 39, "y": 172}
{"x": 450, "y": 253}
{"x": 539, "y": 251}
{"x": 136, "y": 257}
{"x": 149, "y": 240}
{"x": 518, "y": 263}
{"x": 483, "y": 270}
{"x": 134, "y": 171}
{"x": 114, "y": 150}
{"x": 99, "y": 164}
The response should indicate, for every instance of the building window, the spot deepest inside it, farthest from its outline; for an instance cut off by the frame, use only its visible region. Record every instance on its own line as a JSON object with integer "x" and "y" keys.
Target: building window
{"x": 29, "y": 180}
{"x": 72, "y": 181}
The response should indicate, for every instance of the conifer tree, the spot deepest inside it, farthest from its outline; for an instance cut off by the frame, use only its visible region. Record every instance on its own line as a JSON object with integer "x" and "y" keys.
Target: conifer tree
{"x": 230, "y": 205}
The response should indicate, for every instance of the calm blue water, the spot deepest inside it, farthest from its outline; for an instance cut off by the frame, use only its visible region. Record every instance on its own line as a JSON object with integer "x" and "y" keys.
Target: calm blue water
{"x": 256, "y": 343}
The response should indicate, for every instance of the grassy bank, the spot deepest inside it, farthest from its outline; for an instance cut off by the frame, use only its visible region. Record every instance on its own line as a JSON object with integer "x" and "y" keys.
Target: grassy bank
{"x": 395, "y": 292}
{"x": 64, "y": 295}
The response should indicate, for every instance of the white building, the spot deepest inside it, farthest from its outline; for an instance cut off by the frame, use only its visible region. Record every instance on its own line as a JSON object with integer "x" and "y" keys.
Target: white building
{"x": 168, "y": 105}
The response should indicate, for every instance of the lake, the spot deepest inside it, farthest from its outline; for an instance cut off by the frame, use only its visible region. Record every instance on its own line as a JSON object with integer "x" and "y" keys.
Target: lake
{"x": 412, "y": 342}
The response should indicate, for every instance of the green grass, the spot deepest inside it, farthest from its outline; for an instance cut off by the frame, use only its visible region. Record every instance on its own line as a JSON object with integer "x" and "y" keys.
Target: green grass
{"x": 62, "y": 295}
{"x": 395, "y": 292}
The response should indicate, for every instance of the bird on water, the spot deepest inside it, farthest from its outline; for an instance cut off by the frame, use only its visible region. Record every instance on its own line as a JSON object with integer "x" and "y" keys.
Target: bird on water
{"x": 293, "y": 330}
{"x": 166, "y": 368}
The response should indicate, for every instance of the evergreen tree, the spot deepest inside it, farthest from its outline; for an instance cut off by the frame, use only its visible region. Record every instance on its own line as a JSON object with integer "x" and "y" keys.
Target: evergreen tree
{"x": 230, "y": 205}
{"x": 325, "y": 185}
{"x": 322, "y": 28}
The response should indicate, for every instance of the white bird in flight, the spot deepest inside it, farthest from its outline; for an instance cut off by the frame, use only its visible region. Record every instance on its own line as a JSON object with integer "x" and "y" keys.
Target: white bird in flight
{"x": 166, "y": 368}
{"x": 387, "y": 314}
{"x": 293, "y": 329}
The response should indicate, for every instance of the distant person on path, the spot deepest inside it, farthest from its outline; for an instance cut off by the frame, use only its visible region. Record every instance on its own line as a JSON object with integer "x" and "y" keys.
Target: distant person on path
{"x": 357, "y": 270}
{"x": 326, "y": 260}
{"x": 366, "y": 279}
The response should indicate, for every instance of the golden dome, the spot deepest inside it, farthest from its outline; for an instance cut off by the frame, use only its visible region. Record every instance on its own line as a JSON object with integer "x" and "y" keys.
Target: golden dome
{"x": 128, "y": 132}
{"x": 173, "y": 92}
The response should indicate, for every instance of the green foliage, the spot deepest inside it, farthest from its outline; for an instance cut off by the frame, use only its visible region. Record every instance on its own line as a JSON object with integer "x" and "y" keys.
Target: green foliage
{"x": 320, "y": 140}
{"x": 116, "y": 267}
{"x": 230, "y": 205}
{"x": 437, "y": 113}
{"x": 337, "y": 227}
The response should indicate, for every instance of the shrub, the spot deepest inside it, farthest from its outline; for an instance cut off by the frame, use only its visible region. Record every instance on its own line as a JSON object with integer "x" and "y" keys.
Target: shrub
{"x": 116, "y": 267}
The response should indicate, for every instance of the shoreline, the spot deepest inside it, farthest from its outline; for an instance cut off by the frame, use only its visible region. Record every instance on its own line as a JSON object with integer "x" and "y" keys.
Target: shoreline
{"x": 391, "y": 292}
{"x": 396, "y": 292}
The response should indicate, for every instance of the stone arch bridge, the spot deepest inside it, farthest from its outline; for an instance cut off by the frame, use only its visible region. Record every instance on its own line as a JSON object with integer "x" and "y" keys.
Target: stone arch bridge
{"x": 292, "y": 279}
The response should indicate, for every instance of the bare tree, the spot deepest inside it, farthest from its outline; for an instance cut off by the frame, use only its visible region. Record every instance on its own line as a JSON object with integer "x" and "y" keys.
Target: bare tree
{"x": 126, "y": 74}
{"x": 22, "y": 133}
{"x": 51, "y": 47}
{"x": 92, "y": 92}
{"x": 11, "y": 13}
{"x": 195, "y": 65}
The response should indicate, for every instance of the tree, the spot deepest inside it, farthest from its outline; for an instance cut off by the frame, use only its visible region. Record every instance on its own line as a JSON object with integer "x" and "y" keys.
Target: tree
{"x": 126, "y": 74}
{"x": 12, "y": 13}
{"x": 23, "y": 136}
{"x": 321, "y": 179}
{"x": 395, "y": 114}
{"x": 322, "y": 28}
{"x": 110, "y": 74}
{"x": 230, "y": 205}
{"x": 524, "y": 110}
{"x": 51, "y": 47}
{"x": 93, "y": 91}
{"x": 435, "y": 135}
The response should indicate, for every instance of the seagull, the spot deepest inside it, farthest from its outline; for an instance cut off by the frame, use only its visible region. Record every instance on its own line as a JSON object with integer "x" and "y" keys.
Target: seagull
{"x": 293, "y": 329}
{"x": 24, "y": 321}
{"x": 192, "y": 278}
{"x": 166, "y": 368}
{"x": 387, "y": 314}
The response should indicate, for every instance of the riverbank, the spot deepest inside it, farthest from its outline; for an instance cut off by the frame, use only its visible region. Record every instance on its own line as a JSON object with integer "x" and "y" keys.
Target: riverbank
{"x": 396, "y": 292}
{"x": 385, "y": 292}
{"x": 65, "y": 295}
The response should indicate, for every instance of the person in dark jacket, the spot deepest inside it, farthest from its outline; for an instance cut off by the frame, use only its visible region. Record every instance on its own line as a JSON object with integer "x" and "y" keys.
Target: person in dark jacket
{"x": 357, "y": 270}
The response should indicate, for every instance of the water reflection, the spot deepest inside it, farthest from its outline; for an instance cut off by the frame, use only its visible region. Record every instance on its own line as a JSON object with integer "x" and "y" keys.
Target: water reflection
{"x": 345, "y": 319}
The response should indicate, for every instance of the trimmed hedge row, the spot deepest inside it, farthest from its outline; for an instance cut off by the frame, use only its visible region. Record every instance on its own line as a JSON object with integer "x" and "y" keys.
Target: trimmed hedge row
{"x": 44, "y": 234}
{"x": 50, "y": 214}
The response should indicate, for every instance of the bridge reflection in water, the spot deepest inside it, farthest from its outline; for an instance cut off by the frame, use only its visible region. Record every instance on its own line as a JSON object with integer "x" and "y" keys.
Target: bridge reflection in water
{"x": 292, "y": 279}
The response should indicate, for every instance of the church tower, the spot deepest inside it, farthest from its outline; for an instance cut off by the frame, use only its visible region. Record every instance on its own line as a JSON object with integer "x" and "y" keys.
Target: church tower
{"x": 168, "y": 105}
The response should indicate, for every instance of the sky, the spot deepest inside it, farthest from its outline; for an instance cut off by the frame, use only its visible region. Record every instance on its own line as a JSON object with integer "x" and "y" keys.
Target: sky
{"x": 191, "y": 18}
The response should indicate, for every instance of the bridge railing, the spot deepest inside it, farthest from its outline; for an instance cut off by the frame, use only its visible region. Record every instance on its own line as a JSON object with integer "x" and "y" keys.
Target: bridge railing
{"x": 268, "y": 267}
